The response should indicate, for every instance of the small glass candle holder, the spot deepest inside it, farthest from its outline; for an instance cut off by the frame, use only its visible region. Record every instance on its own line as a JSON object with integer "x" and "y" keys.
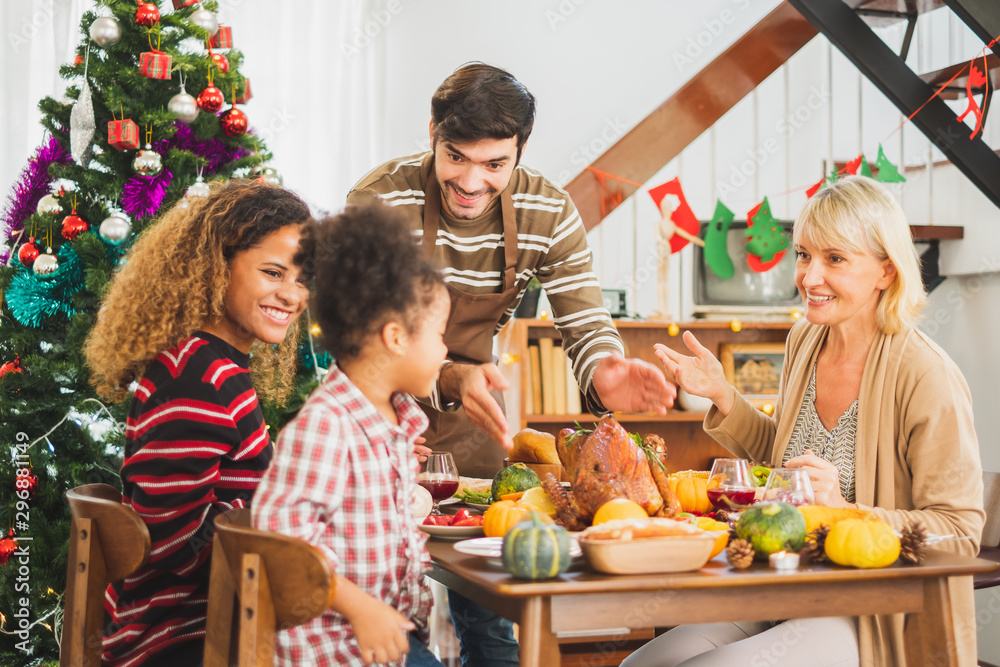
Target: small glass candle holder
{"x": 784, "y": 561}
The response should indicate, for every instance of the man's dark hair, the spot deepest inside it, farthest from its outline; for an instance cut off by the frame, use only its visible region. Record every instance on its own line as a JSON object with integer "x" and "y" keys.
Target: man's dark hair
{"x": 480, "y": 101}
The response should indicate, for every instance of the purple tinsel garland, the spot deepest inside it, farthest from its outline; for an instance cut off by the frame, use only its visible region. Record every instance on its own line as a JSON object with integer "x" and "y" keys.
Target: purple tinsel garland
{"x": 143, "y": 195}
{"x": 31, "y": 186}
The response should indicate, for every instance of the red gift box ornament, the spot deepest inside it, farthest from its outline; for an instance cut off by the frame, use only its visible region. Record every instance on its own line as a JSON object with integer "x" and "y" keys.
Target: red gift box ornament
{"x": 222, "y": 39}
{"x": 155, "y": 64}
{"x": 245, "y": 93}
{"x": 123, "y": 134}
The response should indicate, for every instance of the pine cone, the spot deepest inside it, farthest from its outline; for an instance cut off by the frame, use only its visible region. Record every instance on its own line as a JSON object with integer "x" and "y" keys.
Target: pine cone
{"x": 722, "y": 515}
{"x": 912, "y": 546}
{"x": 739, "y": 554}
{"x": 815, "y": 549}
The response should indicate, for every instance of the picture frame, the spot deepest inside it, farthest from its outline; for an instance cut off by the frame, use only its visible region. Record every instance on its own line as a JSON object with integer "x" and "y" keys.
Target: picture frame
{"x": 754, "y": 369}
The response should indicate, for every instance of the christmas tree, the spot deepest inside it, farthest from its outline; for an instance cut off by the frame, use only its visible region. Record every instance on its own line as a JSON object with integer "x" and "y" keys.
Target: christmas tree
{"x": 128, "y": 143}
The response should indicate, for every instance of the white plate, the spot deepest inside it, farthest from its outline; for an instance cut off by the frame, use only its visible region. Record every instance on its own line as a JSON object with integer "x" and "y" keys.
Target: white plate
{"x": 452, "y": 532}
{"x": 450, "y": 501}
{"x": 491, "y": 548}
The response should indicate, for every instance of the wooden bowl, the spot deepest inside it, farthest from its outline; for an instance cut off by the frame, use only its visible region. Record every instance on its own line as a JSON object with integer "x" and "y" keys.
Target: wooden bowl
{"x": 650, "y": 555}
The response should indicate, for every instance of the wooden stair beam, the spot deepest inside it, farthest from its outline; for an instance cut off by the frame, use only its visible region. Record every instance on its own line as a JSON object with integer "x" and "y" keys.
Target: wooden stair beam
{"x": 661, "y": 136}
{"x": 956, "y": 88}
{"x": 899, "y": 6}
{"x": 982, "y": 17}
{"x": 937, "y": 232}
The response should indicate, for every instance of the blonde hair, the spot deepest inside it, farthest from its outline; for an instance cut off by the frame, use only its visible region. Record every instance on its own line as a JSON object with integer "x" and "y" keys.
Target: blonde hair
{"x": 175, "y": 279}
{"x": 859, "y": 215}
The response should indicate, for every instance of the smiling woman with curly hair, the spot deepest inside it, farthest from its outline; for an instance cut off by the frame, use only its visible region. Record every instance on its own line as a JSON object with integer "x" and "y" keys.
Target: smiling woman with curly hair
{"x": 200, "y": 319}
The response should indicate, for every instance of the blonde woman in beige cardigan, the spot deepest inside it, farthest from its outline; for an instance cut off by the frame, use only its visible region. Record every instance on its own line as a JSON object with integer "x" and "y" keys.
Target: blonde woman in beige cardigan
{"x": 877, "y": 414}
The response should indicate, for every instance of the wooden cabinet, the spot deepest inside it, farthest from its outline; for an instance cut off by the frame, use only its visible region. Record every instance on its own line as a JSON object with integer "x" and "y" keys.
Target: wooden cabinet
{"x": 687, "y": 444}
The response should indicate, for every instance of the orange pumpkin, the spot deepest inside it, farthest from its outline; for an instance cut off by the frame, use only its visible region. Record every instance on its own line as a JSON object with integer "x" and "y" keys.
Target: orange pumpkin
{"x": 505, "y": 514}
{"x": 706, "y": 523}
{"x": 692, "y": 492}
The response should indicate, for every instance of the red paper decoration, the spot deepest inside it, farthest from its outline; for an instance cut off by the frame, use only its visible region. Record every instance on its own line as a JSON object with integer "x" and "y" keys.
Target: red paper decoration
{"x": 147, "y": 14}
{"x": 976, "y": 80}
{"x": 211, "y": 99}
{"x": 11, "y": 367}
{"x": 683, "y": 217}
{"x": 245, "y": 93}
{"x": 123, "y": 134}
{"x": 27, "y": 254}
{"x": 8, "y": 545}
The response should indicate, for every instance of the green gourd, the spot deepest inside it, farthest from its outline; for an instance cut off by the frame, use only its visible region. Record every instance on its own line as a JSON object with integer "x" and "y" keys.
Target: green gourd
{"x": 515, "y": 477}
{"x": 536, "y": 550}
{"x": 772, "y": 526}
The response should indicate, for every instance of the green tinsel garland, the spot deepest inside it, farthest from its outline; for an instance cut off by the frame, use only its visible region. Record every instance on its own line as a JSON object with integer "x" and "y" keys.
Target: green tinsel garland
{"x": 32, "y": 298}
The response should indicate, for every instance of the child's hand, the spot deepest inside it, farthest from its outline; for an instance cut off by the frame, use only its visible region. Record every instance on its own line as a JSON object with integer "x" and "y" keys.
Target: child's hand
{"x": 382, "y": 632}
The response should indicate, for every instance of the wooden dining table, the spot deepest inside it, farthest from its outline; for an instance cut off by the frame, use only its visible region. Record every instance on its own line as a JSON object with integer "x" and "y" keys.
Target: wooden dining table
{"x": 582, "y": 600}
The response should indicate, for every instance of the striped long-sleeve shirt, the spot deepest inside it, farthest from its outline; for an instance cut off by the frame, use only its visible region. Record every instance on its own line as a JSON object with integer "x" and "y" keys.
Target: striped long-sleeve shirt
{"x": 196, "y": 446}
{"x": 552, "y": 245}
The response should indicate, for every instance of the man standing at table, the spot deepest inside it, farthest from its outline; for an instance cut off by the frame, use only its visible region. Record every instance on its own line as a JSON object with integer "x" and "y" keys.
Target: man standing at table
{"x": 492, "y": 224}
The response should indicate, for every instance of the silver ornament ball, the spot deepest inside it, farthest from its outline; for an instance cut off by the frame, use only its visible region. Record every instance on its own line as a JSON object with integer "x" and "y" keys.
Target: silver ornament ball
{"x": 207, "y": 20}
{"x": 49, "y": 205}
{"x": 148, "y": 162}
{"x": 270, "y": 176}
{"x": 105, "y": 31}
{"x": 184, "y": 106}
{"x": 198, "y": 189}
{"x": 45, "y": 264}
{"x": 115, "y": 229}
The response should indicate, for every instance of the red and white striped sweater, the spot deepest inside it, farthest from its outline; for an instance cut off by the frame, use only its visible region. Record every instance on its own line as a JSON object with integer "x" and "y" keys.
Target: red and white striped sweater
{"x": 196, "y": 446}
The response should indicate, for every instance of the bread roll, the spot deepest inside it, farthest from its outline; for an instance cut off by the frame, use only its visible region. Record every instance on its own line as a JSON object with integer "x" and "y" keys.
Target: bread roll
{"x": 531, "y": 446}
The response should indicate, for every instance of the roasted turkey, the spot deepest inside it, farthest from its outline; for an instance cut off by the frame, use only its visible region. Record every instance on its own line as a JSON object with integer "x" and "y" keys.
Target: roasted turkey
{"x": 605, "y": 464}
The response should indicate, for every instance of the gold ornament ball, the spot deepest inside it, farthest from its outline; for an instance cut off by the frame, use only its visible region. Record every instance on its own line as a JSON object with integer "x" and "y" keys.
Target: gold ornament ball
{"x": 736, "y": 326}
{"x": 673, "y": 329}
{"x": 49, "y": 205}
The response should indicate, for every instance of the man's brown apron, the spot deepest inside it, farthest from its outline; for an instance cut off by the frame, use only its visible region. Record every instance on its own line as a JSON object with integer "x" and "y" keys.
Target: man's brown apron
{"x": 469, "y": 337}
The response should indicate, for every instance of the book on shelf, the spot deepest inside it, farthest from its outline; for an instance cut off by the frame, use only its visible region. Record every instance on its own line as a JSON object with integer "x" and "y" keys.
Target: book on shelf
{"x": 545, "y": 351}
{"x": 573, "y": 403}
{"x": 535, "y": 380}
{"x": 559, "y": 379}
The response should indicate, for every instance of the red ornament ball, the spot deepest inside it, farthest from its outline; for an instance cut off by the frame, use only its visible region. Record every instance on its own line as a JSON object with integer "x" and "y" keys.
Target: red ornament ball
{"x": 11, "y": 367}
{"x": 78, "y": 60}
{"x": 220, "y": 61}
{"x": 234, "y": 122}
{"x": 72, "y": 225}
{"x": 211, "y": 99}
{"x": 28, "y": 253}
{"x": 8, "y": 545}
{"x": 147, "y": 14}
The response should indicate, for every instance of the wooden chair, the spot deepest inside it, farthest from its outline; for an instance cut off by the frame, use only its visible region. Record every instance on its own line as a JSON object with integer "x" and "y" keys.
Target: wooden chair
{"x": 108, "y": 542}
{"x": 270, "y": 581}
{"x": 989, "y": 547}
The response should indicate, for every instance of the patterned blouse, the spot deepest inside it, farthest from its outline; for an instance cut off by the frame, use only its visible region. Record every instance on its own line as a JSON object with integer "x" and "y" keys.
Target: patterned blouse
{"x": 836, "y": 446}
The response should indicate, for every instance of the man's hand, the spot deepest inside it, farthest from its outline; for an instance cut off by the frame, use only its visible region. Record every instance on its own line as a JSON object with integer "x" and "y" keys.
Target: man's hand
{"x": 632, "y": 385}
{"x": 472, "y": 384}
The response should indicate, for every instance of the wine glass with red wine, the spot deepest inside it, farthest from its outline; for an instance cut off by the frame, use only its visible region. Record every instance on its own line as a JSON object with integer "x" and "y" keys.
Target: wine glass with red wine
{"x": 729, "y": 485}
{"x": 439, "y": 475}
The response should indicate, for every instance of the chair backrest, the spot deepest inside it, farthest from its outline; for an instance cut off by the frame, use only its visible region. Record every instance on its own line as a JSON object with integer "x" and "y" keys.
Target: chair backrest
{"x": 991, "y": 501}
{"x": 108, "y": 542}
{"x": 260, "y": 582}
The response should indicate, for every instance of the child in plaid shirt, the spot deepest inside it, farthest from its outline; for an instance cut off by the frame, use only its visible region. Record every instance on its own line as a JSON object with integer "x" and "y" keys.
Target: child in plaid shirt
{"x": 344, "y": 470}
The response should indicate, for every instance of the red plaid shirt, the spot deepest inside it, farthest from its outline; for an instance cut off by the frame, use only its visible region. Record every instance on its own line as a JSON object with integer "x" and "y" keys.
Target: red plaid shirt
{"x": 342, "y": 479}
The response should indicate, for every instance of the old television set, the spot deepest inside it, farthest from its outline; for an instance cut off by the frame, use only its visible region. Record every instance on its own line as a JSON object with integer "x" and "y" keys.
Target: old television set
{"x": 768, "y": 295}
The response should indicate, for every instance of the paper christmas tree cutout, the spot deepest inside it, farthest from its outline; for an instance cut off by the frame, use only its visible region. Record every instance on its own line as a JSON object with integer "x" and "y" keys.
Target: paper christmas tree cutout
{"x": 887, "y": 171}
{"x": 859, "y": 166}
{"x": 716, "y": 253}
{"x": 767, "y": 239}
{"x": 682, "y": 217}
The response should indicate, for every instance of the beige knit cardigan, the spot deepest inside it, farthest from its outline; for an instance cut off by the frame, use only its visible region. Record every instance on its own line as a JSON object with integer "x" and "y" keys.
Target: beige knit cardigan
{"x": 916, "y": 456}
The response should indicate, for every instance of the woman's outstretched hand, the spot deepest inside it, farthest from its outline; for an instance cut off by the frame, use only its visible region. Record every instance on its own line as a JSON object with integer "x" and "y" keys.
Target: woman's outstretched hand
{"x": 824, "y": 477}
{"x": 699, "y": 375}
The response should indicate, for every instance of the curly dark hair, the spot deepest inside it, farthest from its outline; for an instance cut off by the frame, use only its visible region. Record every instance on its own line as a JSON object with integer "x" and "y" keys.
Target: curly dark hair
{"x": 176, "y": 279}
{"x": 366, "y": 270}
{"x": 479, "y": 101}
